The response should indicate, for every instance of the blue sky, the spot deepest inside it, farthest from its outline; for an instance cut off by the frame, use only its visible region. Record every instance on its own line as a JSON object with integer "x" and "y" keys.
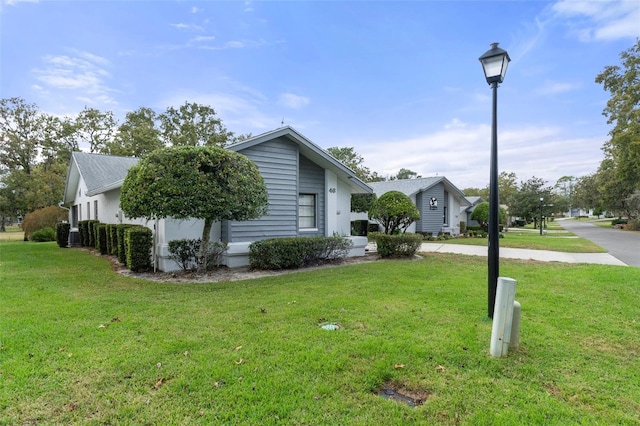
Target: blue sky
{"x": 399, "y": 81}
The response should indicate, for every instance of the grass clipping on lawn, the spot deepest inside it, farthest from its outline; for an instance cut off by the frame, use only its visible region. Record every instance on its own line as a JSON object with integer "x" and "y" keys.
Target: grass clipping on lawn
{"x": 83, "y": 344}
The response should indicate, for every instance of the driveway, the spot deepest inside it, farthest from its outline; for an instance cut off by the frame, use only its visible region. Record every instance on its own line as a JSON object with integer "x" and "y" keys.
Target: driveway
{"x": 623, "y": 245}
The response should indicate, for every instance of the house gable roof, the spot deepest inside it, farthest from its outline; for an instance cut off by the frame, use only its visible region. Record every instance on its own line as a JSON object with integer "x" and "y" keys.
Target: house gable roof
{"x": 100, "y": 173}
{"x": 410, "y": 187}
{"x": 310, "y": 150}
{"x": 103, "y": 173}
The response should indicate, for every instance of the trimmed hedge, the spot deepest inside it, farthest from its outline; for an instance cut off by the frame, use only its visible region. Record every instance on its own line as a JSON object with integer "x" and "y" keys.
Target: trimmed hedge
{"x": 120, "y": 243}
{"x": 291, "y": 253}
{"x": 62, "y": 234}
{"x": 101, "y": 238}
{"x": 91, "y": 231}
{"x": 138, "y": 241}
{"x": 398, "y": 245}
{"x": 112, "y": 239}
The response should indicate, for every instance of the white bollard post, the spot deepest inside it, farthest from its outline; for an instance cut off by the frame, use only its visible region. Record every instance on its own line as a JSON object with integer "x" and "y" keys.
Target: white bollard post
{"x": 502, "y": 317}
{"x": 515, "y": 327}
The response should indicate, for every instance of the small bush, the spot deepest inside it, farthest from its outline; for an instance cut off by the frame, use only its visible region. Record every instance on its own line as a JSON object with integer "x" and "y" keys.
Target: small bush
{"x": 62, "y": 234}
{"x": 43, "y": 235}
{"x": 290, "y": 253}
{"x": 615, "y": 222}
{"x": 185, "y": 253}
{"x": 402, "y": 245}
{"x": 633, "y": 225}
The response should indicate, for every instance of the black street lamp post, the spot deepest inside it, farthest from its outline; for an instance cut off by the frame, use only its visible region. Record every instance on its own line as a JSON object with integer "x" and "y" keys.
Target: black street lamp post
{"x": 494, "y": 63}
{"x": 541, "y": 217}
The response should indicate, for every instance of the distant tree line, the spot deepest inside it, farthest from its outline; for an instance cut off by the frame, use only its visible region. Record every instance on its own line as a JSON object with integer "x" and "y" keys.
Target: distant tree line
{"x": 35, "y": 147}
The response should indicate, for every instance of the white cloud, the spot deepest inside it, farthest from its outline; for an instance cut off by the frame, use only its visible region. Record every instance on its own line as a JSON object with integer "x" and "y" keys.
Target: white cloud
{"x": 293, "y": 101}
{"x": 461, "y": 152}
{"x": 82, "y": 75}
{"x": 186, "y": 27}
{"x": 552, "y": 88}
{"x": 14, "y": 2}
{"x": 601, "y": 20}
{"x": 196, "y": 9}
{"x": 202, "y": 39}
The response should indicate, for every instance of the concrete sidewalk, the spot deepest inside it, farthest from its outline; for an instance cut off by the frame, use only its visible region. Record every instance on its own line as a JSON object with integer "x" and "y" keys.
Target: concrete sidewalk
{"x": 514, "y": 253}
{"x": 524, "y": 254}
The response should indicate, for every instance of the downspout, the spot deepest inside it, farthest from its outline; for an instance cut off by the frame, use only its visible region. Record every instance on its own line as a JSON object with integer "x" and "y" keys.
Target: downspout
{"x": 154, "y": 254}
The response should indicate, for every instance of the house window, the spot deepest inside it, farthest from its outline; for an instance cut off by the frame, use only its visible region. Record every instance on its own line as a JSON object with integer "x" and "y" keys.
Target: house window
{"x": 79, "y": 211}
{"x": 307, "y": 211}
{"x": 444, "y": 215}
{"x": 88, "y": 210}
{"x": 95, "y": 209}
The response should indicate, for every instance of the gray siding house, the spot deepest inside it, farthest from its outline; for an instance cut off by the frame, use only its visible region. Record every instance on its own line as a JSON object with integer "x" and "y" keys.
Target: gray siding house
{"x": 438, "y": 200}
{"x": 309, "y": 195}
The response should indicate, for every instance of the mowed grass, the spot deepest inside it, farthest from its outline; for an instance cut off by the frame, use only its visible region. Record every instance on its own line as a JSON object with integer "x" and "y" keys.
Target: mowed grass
{"x": 12, "y": 233}
{"x": 555, "y": 238}
{"x": 81, "y": 344}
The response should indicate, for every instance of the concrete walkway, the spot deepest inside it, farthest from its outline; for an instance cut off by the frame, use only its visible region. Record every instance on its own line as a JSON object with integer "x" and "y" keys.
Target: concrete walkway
{"x": 514, "y": 253}
{"x": 524, "y": 254}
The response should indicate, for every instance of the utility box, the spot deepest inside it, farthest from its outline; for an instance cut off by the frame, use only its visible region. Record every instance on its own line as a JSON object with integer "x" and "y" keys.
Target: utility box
{"x": 503, "y": 317}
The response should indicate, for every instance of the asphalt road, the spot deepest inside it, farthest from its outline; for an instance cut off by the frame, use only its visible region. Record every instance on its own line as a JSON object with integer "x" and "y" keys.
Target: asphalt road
{"x": 623, "y": 245}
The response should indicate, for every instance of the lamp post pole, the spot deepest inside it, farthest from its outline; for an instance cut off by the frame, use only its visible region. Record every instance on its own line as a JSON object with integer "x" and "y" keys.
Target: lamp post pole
{"x": 541, "y": 200}
{"x": 494, "y": 63}
{"x": 494, "y": 200}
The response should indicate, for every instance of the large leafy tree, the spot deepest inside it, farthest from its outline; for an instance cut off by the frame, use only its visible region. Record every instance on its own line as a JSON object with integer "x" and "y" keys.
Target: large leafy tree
{"x": 21, "y": 134}
{"x": 183, "y": 182}
{"x": 481, "y": 215}
{"x": 137, "y": 135}
{"x": 31, "y": 158}
{"x": 586, "y": 194}
{"x": 623, "y": 112}
{"x": 526, "y": 203}
{"x": 96, "y": 128}
{"x": 394, "y": 211}
{"x": 405, "y": 174}
{"x": 350, "y": 158}
{"x": 193, "y": 124}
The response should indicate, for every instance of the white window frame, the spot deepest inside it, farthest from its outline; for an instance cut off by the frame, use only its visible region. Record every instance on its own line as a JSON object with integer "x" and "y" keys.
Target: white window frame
{"x": 307, "y": 211}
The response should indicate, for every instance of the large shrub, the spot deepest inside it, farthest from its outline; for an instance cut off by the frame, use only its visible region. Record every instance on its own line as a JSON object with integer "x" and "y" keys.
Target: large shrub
{"x": 185, "y": 253}
{"x": 290, "y": 253}
{"x": 46, "y": 217}
{"x": 399, "y": 245}
{"x": 394, "y": 211}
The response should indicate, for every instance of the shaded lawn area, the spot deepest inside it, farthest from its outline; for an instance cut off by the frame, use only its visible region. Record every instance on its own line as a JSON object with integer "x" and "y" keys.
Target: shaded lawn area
{"x": 84, "y": 345}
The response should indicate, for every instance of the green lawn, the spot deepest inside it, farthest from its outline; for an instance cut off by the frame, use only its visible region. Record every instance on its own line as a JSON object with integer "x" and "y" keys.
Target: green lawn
{"x": 555, "y": 238}
{"x": 81, "y": 344}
